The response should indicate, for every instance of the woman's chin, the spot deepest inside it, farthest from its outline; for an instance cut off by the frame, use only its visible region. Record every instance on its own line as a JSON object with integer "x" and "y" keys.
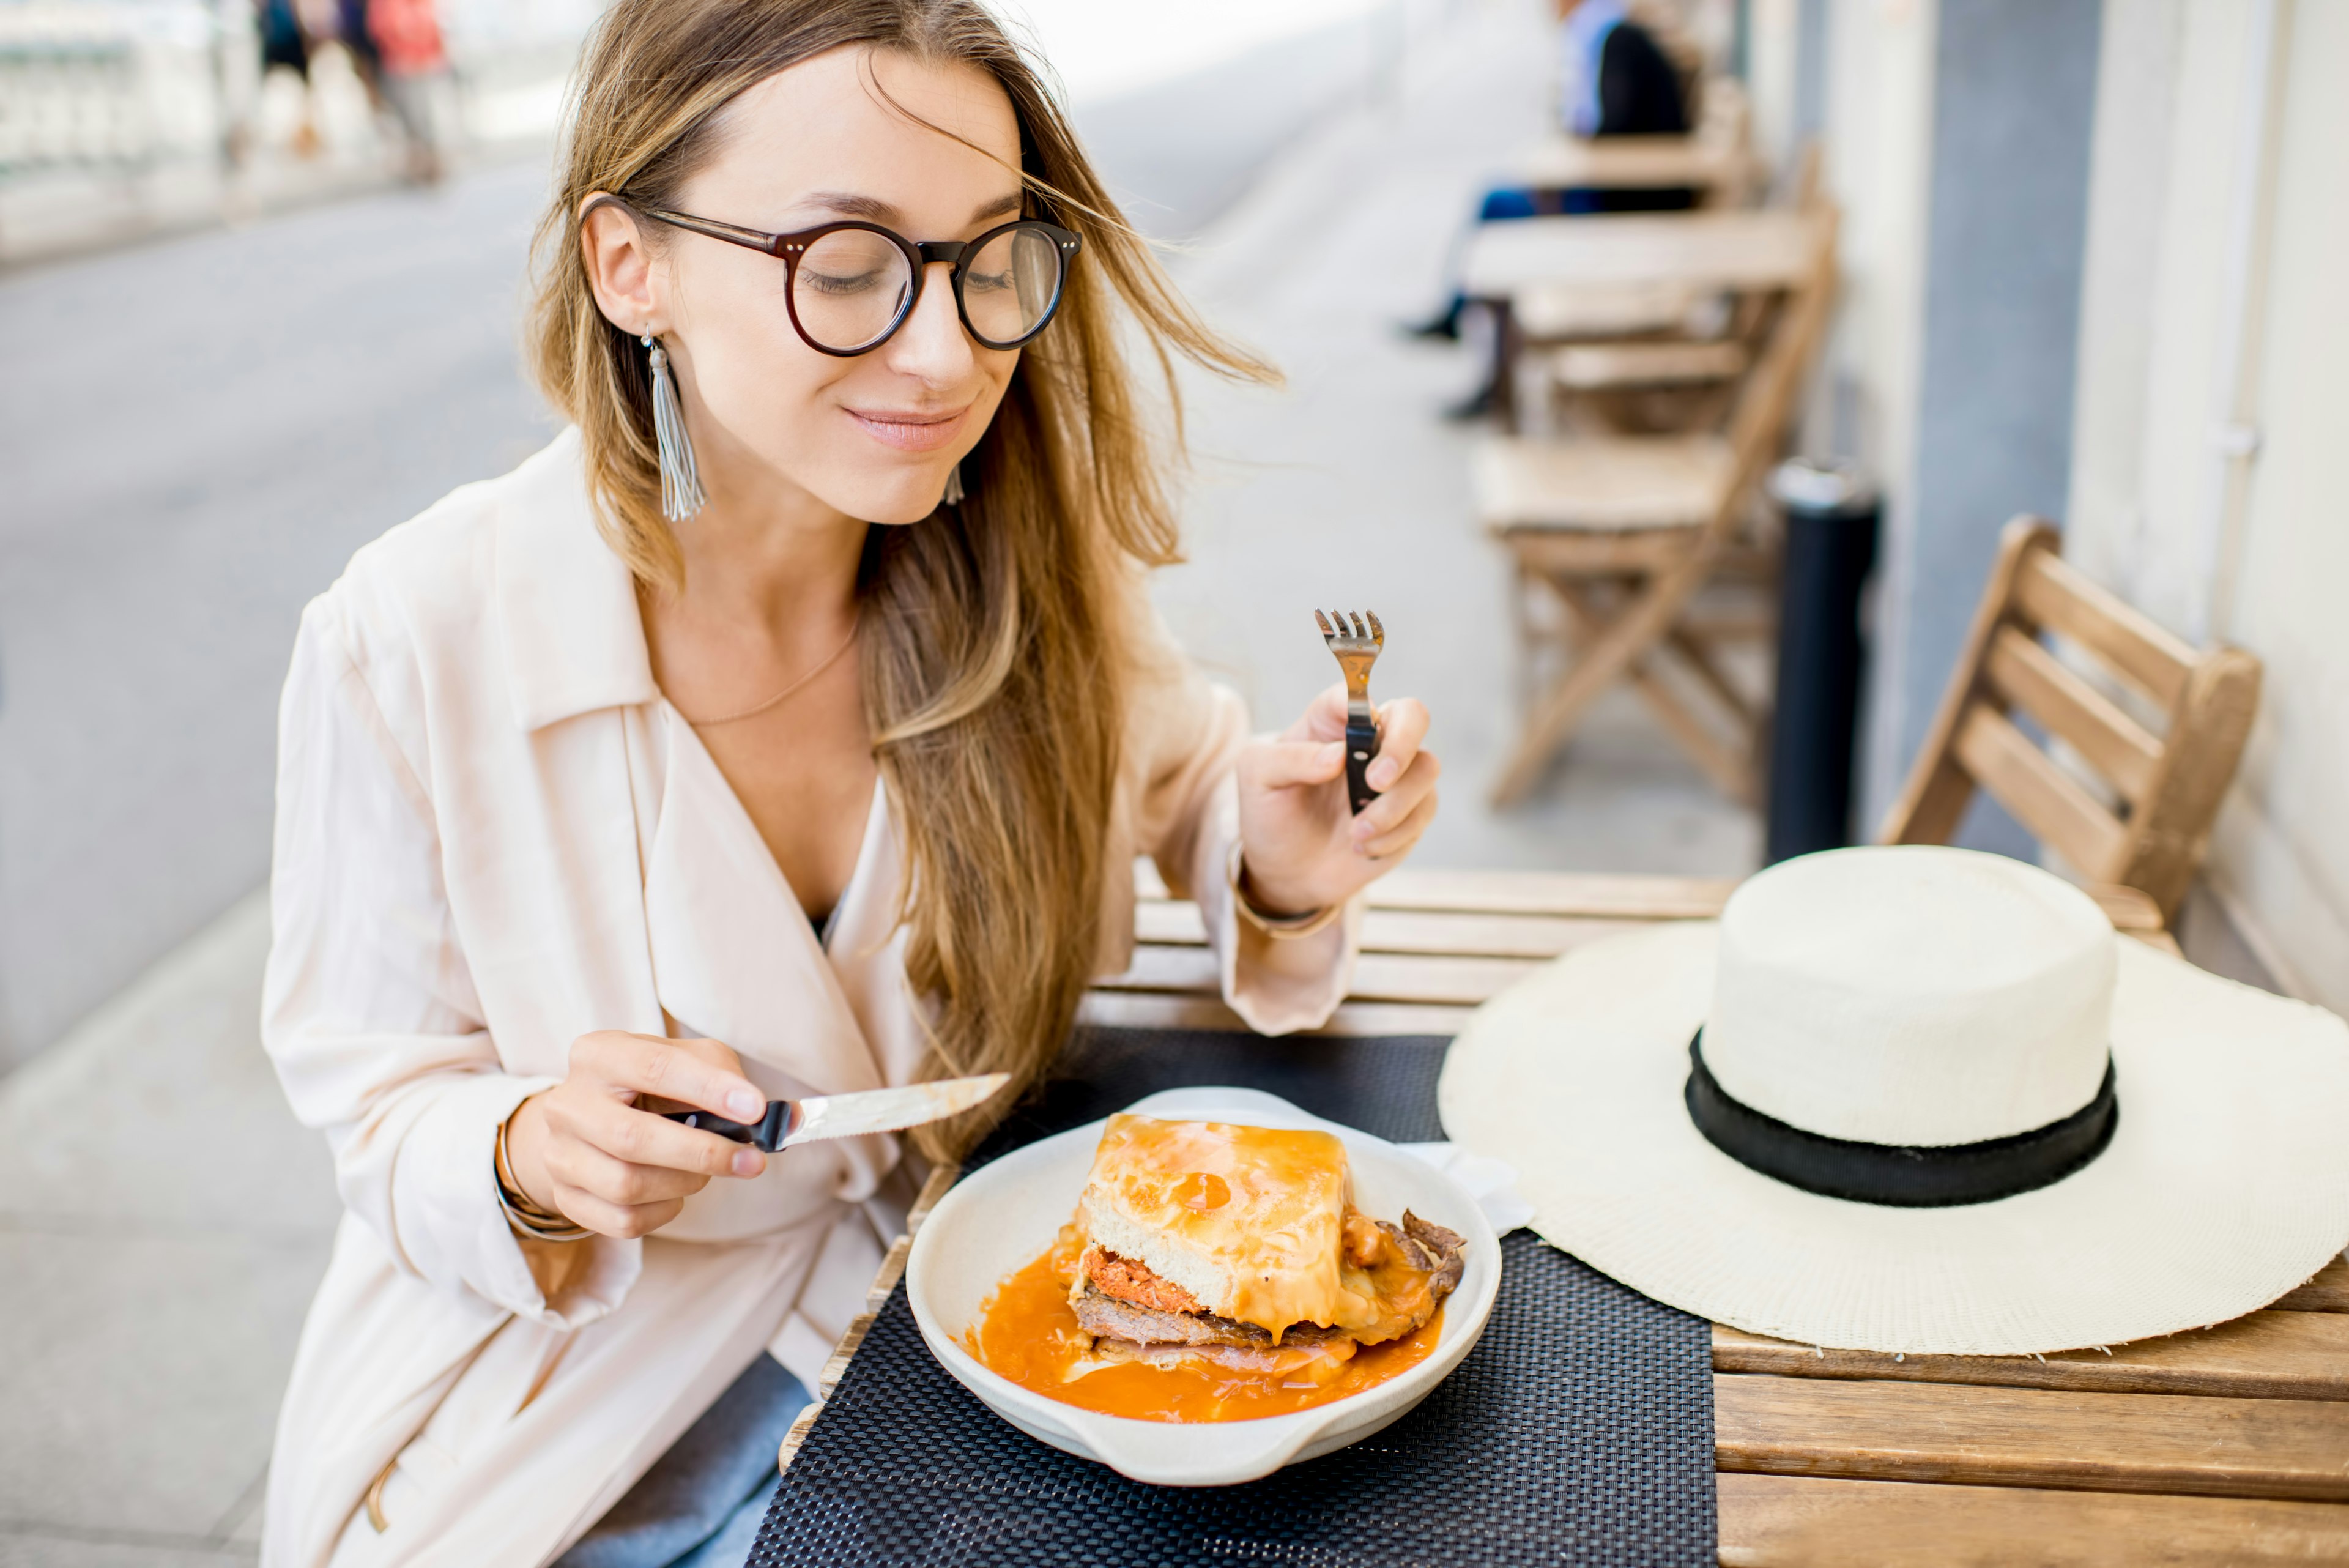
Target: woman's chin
{"x": 897, "y": 501}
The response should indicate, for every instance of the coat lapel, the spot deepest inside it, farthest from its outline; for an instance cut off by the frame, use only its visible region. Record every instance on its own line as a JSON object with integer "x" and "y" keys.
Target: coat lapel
{"x": 734, "y": 957}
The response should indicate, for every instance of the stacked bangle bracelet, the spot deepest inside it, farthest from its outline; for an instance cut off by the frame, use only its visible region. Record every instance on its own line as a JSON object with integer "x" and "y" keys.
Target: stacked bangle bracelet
{"x": 1284, "y": 928}
{"x": 527, "y": 1218}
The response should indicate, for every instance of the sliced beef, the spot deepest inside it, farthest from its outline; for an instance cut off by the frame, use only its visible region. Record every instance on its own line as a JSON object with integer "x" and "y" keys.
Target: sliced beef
{"x": 1449, "y": 1253}
{"x": 1112, "y": 1319}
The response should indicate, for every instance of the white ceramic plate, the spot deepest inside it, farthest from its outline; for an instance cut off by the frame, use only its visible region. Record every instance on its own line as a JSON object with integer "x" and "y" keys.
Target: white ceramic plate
{"x": 999, "y": 1218}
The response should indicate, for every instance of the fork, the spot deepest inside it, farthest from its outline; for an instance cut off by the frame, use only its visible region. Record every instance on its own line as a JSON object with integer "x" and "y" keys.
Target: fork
{"x": 1357, "y": 650}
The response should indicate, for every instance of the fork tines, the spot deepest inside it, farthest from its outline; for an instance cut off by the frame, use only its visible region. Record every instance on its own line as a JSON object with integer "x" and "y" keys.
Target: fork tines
{"x": 1376, "y": 637}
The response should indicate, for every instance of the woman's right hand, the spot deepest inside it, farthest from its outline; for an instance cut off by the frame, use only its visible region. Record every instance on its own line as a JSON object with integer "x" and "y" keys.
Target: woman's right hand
{"x": 588, "y": 1150}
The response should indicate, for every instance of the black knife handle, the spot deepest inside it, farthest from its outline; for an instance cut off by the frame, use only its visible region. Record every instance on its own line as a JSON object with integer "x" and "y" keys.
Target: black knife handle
{"x": 1362, "y": 745}
{"x": 765, "y": 1134}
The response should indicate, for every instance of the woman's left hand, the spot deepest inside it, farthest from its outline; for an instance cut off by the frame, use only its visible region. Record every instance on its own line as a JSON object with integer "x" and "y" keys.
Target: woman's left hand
{"x": 1302, "y": 848}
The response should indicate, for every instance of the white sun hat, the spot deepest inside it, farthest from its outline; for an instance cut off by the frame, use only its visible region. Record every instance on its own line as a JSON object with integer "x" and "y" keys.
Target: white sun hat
{"x": 1936, "y": 1105}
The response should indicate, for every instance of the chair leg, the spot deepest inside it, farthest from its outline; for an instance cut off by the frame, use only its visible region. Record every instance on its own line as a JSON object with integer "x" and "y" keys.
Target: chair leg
{"x": 1604, "y": 660}
{"x": 1730, "y": 769}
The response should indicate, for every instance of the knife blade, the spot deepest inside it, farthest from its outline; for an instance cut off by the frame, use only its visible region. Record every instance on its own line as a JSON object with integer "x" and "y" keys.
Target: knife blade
{"x": 789, "y": 1122}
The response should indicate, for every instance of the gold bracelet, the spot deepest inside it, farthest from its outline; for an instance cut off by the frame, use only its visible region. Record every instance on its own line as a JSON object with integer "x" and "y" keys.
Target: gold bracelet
{"x": 527, "y": 1217}
{"x": 1282, "y": 928}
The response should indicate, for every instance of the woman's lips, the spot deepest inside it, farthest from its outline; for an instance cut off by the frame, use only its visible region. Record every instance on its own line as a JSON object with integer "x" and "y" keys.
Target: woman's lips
{"x": 907, "y": 430}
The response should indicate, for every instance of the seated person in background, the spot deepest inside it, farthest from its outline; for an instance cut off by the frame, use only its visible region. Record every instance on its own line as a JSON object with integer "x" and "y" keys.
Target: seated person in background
{"x": 1614, "y": 80}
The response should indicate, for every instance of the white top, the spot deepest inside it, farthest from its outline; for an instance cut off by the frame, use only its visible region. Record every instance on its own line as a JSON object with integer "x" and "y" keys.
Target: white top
{"x": 493, "y": 836}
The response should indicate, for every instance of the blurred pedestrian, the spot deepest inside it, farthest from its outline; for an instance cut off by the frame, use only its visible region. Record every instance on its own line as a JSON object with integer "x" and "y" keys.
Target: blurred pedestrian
{"x": 413, "y": 64}
{"x": 1614, "y": 79}
{"x": 286, "y": 45}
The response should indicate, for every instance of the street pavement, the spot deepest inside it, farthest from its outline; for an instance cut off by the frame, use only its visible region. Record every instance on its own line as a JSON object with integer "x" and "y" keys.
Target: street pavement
{"x": 198, "y": 433}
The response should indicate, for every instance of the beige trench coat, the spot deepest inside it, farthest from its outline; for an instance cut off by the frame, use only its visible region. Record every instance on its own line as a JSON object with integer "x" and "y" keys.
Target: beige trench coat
{"x": 493, "y": 836}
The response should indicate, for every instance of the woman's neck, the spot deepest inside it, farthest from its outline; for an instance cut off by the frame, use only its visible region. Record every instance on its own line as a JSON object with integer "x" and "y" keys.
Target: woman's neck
{"x": 768, "y": 556}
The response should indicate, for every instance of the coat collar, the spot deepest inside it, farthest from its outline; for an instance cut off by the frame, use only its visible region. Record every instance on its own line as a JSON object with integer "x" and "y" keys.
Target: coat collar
{"x": 575, "y": 641}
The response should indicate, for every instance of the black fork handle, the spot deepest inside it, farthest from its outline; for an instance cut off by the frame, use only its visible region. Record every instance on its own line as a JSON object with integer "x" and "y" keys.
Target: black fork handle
{"x": 1362, "y": 745}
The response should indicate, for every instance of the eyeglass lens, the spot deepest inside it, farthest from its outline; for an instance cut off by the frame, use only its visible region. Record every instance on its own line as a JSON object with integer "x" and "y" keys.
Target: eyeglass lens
{"x": 851, "y": 285}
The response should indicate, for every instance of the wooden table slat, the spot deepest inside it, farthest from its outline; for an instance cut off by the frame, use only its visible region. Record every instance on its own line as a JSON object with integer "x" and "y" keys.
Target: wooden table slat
{"x": 1623, "y": 898}
{"x": 1378, "y": 977}
{"x": 2267, "y": 1356}
{"x": 1162, "y": 1010}
{"x": 2204, "y": 1447}
{"x": 1803, "y": 1521}
{"x": 2328, "y": 1292}
{"x": 1443, "y": 933}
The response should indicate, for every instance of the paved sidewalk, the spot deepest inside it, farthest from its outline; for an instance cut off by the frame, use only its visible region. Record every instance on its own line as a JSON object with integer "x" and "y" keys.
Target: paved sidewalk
{"x": 162, "y": 1224}
{"x": 163, "y": 1221}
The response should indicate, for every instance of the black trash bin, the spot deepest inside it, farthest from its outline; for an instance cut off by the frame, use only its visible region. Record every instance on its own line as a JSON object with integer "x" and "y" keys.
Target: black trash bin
{"x": 1833, "y": 514}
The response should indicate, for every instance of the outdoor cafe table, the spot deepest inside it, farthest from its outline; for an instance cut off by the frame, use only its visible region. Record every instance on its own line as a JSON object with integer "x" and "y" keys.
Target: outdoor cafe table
{"x": 1560, "y": 163}
{"x": 2229, "y": 1445}
{"x": 1764, "y": 249}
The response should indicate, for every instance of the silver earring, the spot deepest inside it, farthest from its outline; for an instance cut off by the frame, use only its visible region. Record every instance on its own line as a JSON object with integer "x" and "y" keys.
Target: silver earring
{"x": 954, "y": 487}
{"x": 681, "y": 494}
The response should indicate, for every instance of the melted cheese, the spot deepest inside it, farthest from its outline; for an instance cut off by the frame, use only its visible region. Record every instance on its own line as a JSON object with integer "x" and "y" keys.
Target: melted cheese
{"x": 1248, "y": 1220}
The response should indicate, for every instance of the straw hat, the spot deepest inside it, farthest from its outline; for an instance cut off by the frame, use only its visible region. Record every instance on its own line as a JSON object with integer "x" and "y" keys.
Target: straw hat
{"x": 1916, "y": 1099}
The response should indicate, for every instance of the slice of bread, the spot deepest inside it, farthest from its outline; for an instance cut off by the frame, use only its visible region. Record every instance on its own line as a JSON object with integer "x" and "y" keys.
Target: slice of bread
{"x": 1247, "y": 1221}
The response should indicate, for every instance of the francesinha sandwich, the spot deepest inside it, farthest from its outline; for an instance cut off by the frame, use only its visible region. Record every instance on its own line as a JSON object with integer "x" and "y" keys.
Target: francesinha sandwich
{"x": 1241, "y": 1245}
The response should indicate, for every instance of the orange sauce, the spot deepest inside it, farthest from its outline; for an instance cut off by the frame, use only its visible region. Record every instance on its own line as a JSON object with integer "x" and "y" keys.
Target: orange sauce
{"x": 1028, "y": 1333}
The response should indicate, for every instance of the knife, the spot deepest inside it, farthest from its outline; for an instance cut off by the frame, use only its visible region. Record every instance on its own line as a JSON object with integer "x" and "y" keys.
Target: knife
{"x": 788, "y": 1122}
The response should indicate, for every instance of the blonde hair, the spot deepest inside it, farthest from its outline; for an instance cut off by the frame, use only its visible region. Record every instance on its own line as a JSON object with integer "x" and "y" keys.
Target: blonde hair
{"x": 994, "y": 659}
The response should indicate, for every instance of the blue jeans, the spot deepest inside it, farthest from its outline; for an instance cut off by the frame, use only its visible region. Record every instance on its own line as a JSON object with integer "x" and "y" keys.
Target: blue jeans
{"x": 701, "y": 1503}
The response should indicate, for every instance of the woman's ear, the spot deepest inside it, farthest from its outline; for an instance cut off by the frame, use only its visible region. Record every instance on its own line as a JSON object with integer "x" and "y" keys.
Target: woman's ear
{"x": 630, "y": 284}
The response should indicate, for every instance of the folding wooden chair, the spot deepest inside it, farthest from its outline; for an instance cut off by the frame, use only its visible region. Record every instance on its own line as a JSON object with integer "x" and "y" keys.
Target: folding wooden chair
{"x": 1624, "y": 531}
{"x": 2162, "y": 792}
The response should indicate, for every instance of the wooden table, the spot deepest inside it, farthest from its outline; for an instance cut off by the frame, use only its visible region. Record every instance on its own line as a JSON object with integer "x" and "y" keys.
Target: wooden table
{"x": 1561, "y": 163}
{"x": 1765, "y": 249}
{"x": 2226, "y": 1446}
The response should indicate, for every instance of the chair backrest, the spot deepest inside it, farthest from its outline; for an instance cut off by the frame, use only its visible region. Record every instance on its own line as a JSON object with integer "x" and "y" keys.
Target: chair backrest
{"x": 2165, "y": 789}
{"x": 1764, "y": 408}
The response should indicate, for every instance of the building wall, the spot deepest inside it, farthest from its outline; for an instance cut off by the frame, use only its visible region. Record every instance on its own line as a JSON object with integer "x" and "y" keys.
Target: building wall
{"x": 2211, "y": 476}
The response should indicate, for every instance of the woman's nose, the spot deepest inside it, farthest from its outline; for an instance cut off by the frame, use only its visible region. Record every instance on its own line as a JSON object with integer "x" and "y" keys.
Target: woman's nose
{"x": 932, "y": 344}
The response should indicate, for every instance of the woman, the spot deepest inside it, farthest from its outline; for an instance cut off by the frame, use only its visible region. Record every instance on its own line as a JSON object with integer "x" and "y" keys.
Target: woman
{"x": 788, "y": 726}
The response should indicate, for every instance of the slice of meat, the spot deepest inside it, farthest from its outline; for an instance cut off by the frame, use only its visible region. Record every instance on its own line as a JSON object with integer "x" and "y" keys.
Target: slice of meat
{"x": 1127, "y": 1279}
{"x": 1109, "y": 1318}
{"x": 1318, "y": 1362}
{"x": 1450, "y": 1249}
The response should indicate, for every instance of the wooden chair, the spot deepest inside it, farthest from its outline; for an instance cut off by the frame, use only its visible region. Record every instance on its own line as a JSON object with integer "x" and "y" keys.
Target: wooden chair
{"x": 2151, "y": 831}
{"x": 1624, "y": 531}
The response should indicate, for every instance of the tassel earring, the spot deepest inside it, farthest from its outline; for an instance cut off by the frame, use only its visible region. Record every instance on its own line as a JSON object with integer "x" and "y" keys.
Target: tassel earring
{"x": 952, "y": 496}
{"x": 681, "y": 494}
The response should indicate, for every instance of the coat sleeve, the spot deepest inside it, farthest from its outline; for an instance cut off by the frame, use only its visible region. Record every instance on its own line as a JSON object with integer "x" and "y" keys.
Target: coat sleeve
{"x": 1188, "y": 732}
{"x": 368, "y": 1008}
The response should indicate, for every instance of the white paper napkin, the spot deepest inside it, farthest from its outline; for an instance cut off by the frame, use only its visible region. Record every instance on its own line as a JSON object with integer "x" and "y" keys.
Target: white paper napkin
{"x": 1491, "y": 1182}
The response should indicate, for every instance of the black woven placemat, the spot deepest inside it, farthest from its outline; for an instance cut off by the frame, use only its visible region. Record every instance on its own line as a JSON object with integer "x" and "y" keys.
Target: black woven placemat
{"x": 1578, "y": 1431}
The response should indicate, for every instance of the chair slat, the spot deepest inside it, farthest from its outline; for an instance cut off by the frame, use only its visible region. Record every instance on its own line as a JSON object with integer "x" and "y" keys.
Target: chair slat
{"x": 2288, "y": 1448}
{"x": 1803, "y": 1521}
{"x": 2034, "y": 681}
{"x": 2041, "y": 797}
{"x": 2266, "y": 1355}
{"x": 2062, "y": 598}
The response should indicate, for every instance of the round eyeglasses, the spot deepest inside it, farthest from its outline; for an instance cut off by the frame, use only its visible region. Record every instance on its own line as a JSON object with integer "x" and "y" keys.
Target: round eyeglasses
{"x": 849, "y": 285}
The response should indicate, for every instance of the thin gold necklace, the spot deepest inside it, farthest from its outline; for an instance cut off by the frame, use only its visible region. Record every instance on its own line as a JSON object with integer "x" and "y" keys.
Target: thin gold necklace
{"x": 777, "y": 700}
